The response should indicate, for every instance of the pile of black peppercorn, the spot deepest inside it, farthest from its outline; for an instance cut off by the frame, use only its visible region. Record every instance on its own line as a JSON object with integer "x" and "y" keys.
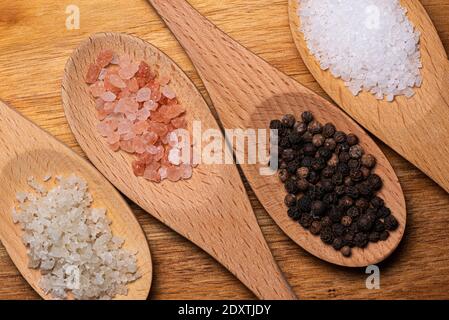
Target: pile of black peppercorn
{"x": 330, "y": 184}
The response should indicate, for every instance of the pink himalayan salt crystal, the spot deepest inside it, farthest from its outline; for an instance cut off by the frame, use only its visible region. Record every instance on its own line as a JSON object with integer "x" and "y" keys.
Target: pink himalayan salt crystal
{"x": 99, "y": 104}
{"x": 127, "y": 146}
{"x": 104, "y": 58}
{"x": 109, "y": 107}
{"x": 115, "y": 147}
{"x": 93, "y": 72}
{"x": 150, "y": 138}
{"x": 128, "y": 71}
{"x": 139, "y": 127}
{"x": 143, "y": 114}
{"x": 133, "y": 85}
{"x": 108, "y": 96}
{"x": 124, "y": 126}
{"x": 151, "y": 105}
{"x": 143, "y": 94}
{"x": 139, "y": 145}
{"x": 164, "y": 80}
{"x": 102, "y": 74}
{"x": 113, "y": 138}
{"x": 117, "y": 82}
{"x": 138, "y": 168}
{"x": 104, "y": 129}
{"x": 179, "y": 122}
{"x": 163, "y": 172}
{"x": 174, "y": 173}
{"x": 124, "y": 60}
{"x": 128, "y": 136}
{"x": 187, "y": 171}
{"x": 159, "y": 128}
{"x": 168, "y": 92}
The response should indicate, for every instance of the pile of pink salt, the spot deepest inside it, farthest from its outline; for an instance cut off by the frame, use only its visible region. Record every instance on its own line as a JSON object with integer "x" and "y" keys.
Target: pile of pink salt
{"x": 140, "y": 114}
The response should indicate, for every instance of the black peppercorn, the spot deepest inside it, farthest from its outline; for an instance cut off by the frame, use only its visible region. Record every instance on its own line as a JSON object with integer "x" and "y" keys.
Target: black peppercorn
{"x": 348, "y": 239}
{"x": 346, "y": 251}
{"x": 324, "y": 153}
{"x": 328, "y": 130}
{"x": 302, "y": 184}
{"x": 346, "y": 221}
{"x": 327, "y": 185}
{"x": 391, "y": 223}
{"x": 361, "y": 239}
{"x": 318, "y": 164}
{"x": 340, "y": 190}
{"x": 290, "y": 200}
{"x": 352, "y": 139}
{"x": 306, "y": 220}
{"x": 326, "y": 221}
{"x": 284, "y": 142}
{"x": 352, "y": 192}
{"x": 288, "y": 120}
{"x": 365, "y": 172}
{"x": 356, "y": 151}
{"x": 302, "y": 172}
{"x": 330, "y": 198}
{"x": 375, "y": 182}
{"x": 377, "y": 202}
{"x": 337, "y": 178}
{"x": 337, "y": 244}
{"x": 335, "y": 214}
{"x": 295, "y": 138}
{"x": 307, "y": 137}
{"x": 356, "y": 175}
{"x": 306, "y": 162}
{"x": 364, "y": 189}
{"x": 346, "y": 202}
{"x": 384, "y": 235}
{"x": 318, "y": 140}
{"x": 315, "y": 228}
{"x": 315, "y": 127}
{"x": 275, "y": 124}
{"x": 365, "y": 223}
{"x": 379, "y": 226}
{"x": 300, "y": 127}
{"x": 288, "y": 154}
{"x": 354, "y": 164}
{"x": 330, "y": 144}
{"x": 291, "y": 186}
{"x": 318, "y": 208}
{"x": 307, "y": 116}
{"x": 338, "y": 229}
{"x": 383, "y": 212}
{"x": 374, "y": 236}
{"x": 353, "y": 212}
{"x": 316, "y": 192}
{"x": 293, "y": 166}
{"x": 362, "y": 204}
{"x": 343, "y": 168}
{"x": 344, "y": 157}
{"x": 294, "y": 213}
{"x": 313, "y": 177}
{"x": 328, "y": 172}
{"x": 305, "y": 204}
{"x": 368, "y": 161}
{"x": 309, "y": 149}
{"x": 340, "y": 137}
{"x": 347, "y": 181}
{"x": 333, "y": 161}
{"x": 326, "y": 235}
{"x": 283, "y": 175}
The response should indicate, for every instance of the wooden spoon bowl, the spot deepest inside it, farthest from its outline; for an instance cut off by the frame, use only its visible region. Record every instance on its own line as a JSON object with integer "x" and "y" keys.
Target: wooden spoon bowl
{"x": 211, "y": 209}
{"x": 417, "y": 128}
{"x": 247, "y": 93}
{"x": 30, "y": 151}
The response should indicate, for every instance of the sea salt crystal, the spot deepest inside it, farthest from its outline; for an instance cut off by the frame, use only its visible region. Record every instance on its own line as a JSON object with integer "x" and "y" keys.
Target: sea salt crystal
{"x": 67, "y": 240}
{"x": 370, "y": 44}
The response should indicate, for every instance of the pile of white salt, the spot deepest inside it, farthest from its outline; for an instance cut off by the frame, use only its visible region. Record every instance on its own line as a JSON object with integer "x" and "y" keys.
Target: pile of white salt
{"x": 370, "y": 44}
{"x": 71, "y": 243}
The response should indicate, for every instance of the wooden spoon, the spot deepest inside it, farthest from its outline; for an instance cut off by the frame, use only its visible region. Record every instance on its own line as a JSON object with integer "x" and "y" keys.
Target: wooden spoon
{"x": 212, "y": 208}
{"x": 417, "y": 128}
{"x": 247, "y": 93}
{"x": 29, "y": 151}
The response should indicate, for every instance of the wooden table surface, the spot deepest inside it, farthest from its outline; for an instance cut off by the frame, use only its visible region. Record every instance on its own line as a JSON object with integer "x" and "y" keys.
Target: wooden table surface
{"x": 34, "y": 46}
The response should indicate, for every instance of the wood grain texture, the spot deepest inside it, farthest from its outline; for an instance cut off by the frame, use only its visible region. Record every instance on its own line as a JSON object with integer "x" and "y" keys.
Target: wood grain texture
{"x": 31, "y": 152}
{"x": 34, "y": 41}
{"x": 417, "y": 128}
{"x": 211, "y": 209}
{"x": 248, "y": 93}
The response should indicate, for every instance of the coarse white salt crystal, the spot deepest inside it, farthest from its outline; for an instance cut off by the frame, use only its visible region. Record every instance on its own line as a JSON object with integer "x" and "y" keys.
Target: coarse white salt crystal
{"x": 370, "y": 44}
{"x": 72, "y": 244}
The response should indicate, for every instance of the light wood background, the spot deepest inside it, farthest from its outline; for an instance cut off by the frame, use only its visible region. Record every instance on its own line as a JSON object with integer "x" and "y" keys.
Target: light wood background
{"x": 34, "y": 46}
